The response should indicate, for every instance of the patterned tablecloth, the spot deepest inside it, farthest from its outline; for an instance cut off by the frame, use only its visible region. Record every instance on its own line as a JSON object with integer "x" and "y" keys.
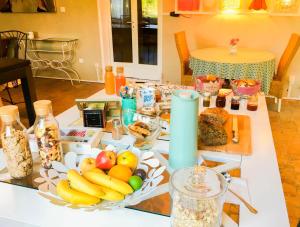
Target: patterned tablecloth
{"x": 246, "y": 63}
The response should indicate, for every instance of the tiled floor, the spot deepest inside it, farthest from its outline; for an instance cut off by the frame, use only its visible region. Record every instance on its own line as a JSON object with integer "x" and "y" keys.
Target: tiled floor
{"x": 285, "y": 127}
{"x": 286, "y": 133}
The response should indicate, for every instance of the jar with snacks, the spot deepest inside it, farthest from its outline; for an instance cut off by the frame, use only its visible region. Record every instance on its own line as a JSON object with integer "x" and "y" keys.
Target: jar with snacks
{"x": 235, "y": 103}
{"x": 165, "y": 119}
{"x": 197, "y": 197}
{"x": 206, "y": 99}
{"x": 221, "y": 101}
{"x": 47, "y": 134}
{"x": 15, "y": 143}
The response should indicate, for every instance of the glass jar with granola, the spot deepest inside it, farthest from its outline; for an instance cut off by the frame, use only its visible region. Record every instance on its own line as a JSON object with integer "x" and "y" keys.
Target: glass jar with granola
{"x": 47, "y": 134}
{"x": 197, "y": 197}
{"x": 15, "y": 143}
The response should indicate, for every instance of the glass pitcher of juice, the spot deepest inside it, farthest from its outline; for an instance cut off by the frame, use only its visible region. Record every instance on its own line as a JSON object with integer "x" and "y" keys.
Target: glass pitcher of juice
{"x": 120, "y": 79}
{"x": 109, "y": 80}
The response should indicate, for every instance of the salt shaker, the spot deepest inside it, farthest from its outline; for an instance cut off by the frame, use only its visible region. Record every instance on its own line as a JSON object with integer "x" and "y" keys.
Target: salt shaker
{"x": 116, "y": 130}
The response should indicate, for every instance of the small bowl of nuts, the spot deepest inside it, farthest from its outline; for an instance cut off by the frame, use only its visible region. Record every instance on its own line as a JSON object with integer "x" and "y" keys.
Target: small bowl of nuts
{"x": 145, "y": 129}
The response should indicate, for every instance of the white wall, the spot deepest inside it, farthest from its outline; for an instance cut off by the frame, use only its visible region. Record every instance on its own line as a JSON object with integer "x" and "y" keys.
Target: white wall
{"x": 255, "y": 31}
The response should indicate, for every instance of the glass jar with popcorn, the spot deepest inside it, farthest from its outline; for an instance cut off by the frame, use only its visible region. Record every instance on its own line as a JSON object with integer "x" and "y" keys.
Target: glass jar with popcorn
{"x": 15, "y": 143}
{"x": 47, "y": 134}
{"x": 197, "y": 197}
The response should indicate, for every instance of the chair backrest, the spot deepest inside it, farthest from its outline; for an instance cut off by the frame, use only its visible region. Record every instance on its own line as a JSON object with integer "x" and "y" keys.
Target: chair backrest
{"x": 182, "y": 47}
{"x": 287, "y": 56}
{"x": 11, "y": 44}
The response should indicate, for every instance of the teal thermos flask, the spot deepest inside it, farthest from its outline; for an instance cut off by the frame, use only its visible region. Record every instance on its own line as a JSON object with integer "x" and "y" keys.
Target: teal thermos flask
{"x": 184, "y": 129}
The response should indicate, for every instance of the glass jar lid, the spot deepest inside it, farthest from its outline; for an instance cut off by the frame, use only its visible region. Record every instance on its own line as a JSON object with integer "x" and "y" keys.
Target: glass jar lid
{"x": 10, "y": 109}
{"x": 236, "y": 98}
{"x": 43, "y": 107}
{"x": 199, "y": 182}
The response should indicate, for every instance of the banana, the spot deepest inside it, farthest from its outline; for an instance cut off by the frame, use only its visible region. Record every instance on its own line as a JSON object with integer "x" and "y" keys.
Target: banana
{"x": 111, "y": 195}
{"x": 75, "y": 197}
{"x": 104, "y": 180}
{"x": 81, "y": 184}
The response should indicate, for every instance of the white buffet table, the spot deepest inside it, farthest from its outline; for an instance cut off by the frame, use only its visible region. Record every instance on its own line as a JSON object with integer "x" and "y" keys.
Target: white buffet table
{"x": 20, "y": 206}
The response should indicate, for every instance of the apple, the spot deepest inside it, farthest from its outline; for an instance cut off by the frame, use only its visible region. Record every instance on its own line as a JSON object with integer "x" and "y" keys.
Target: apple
{"x": 106, "y": 160}
{"x": 87, "y": 164}
{"x": 128, "y": 159}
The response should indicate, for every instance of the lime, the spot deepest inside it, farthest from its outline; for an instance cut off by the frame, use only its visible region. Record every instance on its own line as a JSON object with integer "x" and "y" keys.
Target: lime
{"x": 135, "y": 182}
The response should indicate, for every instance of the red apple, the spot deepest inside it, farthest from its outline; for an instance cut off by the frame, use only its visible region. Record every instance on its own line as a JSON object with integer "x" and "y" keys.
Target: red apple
{"x": 106, "y": 160}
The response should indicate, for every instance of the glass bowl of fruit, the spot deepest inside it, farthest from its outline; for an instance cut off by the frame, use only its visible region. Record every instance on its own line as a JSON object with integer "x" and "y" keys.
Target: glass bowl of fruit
{"x": 144, "y": 129}
{"x": 245, "y": 87}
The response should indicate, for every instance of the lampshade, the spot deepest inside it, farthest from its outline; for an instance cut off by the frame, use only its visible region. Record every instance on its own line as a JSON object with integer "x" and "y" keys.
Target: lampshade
{"x": 258, "y": 5}
{"x": 188, "y": 5}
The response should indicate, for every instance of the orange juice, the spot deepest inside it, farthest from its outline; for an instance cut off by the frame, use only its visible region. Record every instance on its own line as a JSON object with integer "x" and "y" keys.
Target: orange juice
{"x": 109, "y": 80}
{"x": 120, "y": 79}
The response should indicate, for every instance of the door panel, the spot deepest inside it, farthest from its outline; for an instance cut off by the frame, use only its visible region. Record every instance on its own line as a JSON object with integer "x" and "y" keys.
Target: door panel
{"x": 121, "y": 30}
{"x": 134, "y": 37}
{"x": 147, "y": 31}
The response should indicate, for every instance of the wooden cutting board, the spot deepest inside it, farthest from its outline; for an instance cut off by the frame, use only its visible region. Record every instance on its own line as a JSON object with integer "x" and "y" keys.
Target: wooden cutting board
{"x": 244, "y": 147}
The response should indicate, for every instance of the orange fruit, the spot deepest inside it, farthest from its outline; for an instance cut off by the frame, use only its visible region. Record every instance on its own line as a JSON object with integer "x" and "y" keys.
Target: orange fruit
{"x": 120, "y": 172}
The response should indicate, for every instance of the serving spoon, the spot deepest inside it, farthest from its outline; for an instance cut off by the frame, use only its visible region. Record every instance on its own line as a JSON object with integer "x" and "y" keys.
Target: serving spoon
{"x": 248, "y": 205}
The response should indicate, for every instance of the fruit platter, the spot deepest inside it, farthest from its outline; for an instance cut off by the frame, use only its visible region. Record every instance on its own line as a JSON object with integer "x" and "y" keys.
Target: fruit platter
{"x": 104, "y": 179}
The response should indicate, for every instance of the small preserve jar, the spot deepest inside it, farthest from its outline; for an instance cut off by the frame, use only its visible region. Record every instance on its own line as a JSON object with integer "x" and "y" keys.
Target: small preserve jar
{"x": 47, "y": 134}
{"x": 252, "y": 103}
{"x": 15, "y": 143}
{"x": 117, "y": 129}
{"x": 221, "y": 101}
{"x": 235, "y": 103}
{"x": 197, "y": 197}
{"x": 206, "y": 99}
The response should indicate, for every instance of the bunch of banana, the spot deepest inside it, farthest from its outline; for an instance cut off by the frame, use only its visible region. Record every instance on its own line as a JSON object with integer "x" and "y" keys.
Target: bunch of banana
{"x": 73, "y": 196}
{"x": 79, "y": 189}
{"x": 97, "y": 177}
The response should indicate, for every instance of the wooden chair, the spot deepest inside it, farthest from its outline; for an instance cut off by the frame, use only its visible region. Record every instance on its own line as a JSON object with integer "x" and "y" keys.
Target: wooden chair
{"x": 281, "y": 82}
{"x": 184, "y": 56}
{"x": 11, "y": 44}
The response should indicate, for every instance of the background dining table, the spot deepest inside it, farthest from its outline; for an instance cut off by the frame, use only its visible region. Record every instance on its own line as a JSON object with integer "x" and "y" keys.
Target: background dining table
{"x": 245, "y": 63}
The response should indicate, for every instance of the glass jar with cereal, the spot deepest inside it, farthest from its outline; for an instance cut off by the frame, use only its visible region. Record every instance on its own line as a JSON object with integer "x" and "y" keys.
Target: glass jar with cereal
{"x": 197, "y": 197}
{"x": 15, "y": 143}
{"x": 47, "y": 134}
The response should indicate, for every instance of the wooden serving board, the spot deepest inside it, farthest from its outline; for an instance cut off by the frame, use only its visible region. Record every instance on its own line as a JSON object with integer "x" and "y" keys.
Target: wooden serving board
{"x": 244, "y": 147}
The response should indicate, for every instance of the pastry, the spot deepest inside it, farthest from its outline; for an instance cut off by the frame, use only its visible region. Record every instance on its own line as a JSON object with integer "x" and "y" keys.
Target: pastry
{"x": 139, "y": 130}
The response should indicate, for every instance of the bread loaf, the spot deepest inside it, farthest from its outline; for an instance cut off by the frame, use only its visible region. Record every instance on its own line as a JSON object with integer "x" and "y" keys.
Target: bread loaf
{"x": 212, "y": 134}
{"x": 218, "y": 115}
{"x": 211, "y": 126}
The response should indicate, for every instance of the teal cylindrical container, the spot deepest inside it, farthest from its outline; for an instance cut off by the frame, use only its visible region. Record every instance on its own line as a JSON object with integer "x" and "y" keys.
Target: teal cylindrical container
{"x": 184, "y": 127}
{"x": 128, "y": 111}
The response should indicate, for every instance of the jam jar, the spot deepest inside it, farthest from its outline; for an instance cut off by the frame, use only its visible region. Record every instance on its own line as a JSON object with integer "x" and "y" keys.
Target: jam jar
{"x": 206, "y": 99}
{"x": 221, "y": 101}
{"x": 235, "y": 103}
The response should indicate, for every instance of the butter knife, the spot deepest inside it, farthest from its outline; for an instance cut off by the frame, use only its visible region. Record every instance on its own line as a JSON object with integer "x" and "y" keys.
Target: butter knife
{"x": 235, "y": 129}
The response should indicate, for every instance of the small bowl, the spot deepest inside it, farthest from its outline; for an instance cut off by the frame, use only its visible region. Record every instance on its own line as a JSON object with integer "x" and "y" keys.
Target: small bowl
{"x": 245, "y": 90}
{"x": 144, "y": 142}
{"x": 210, "y": 84}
